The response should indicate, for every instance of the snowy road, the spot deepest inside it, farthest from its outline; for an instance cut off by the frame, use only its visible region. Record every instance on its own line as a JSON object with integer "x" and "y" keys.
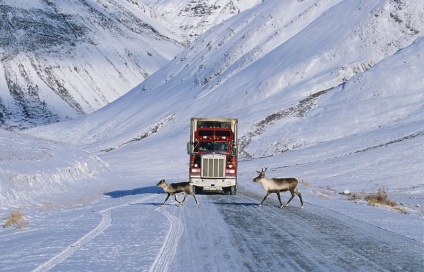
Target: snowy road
{"x": 251, "y": 238}
{"x": 130, "y": 231}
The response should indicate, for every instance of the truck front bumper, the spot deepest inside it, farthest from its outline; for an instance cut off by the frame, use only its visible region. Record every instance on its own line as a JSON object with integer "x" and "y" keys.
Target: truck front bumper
{"x": 213, "y": 184}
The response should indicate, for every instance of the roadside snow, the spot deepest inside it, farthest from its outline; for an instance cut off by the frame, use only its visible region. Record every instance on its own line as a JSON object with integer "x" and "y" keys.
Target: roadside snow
{"x": 38, "y": 172}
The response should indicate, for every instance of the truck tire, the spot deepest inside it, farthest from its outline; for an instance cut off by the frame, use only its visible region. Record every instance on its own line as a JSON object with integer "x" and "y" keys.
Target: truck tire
{"x": 233, "y": 190}
{"x": 197, "y": 190}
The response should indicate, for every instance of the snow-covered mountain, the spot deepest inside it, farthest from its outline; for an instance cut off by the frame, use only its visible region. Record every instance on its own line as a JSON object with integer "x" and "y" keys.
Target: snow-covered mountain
{"x": 64, "y": 59}
{"x": 309, "y": 81}
{"x": 195, "y": 17}
{"x": 280, "y": 62}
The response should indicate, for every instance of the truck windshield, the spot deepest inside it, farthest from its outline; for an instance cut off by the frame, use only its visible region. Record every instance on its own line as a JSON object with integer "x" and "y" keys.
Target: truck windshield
{"x": 213, "y": 146}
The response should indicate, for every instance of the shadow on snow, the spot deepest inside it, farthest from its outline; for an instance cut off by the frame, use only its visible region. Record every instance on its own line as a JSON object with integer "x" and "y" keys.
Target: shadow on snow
{"x": 157, "y": 190}
{"x": 236, "y": 203}
{"x": 137, "y": 191}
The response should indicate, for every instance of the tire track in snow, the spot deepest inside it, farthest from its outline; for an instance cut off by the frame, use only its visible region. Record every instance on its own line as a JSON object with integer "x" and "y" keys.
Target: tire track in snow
{"x": 169, "y": 248}
{"x": 101, "y": 227}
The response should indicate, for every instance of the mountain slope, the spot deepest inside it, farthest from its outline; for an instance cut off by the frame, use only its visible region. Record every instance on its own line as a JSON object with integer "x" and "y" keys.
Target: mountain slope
{"x": 307, "y": 98}
{"x": 271, "y": 65}
{"x": 332, "y": 94}
{"x": 61, "y": 60}
{"x": 195, "y": 17}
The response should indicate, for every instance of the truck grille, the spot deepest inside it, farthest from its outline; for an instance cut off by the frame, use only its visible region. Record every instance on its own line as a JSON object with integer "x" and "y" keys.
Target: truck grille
{"x": 213, "y": 167}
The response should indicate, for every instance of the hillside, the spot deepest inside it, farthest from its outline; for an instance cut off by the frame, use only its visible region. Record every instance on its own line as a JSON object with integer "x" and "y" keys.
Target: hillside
{"x": 303, "y": 95}
{"x": 196, "y": 17}
{"x": 62, "y": 60}
{"x": 288, "y": 73}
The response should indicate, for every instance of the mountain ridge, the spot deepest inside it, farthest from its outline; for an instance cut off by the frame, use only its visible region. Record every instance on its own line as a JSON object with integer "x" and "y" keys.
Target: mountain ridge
{"x": 63, "y": 60}
{"x": 262, "y": 57}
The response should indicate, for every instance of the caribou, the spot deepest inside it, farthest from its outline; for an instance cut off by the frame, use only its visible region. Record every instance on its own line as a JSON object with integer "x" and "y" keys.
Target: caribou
{"x": 277, "y": 185}
{"x": 175, "y": 188}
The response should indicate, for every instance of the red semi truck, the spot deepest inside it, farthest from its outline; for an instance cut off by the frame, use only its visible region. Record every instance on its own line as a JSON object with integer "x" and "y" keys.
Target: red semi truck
{"x": 213, "y": 154}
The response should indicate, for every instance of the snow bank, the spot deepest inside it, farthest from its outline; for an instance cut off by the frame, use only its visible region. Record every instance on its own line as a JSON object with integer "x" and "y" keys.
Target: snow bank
{"x": 37, "y": 172}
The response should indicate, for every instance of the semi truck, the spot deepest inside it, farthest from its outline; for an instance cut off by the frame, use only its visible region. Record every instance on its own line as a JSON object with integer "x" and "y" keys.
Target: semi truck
{"x": 213, "y": 151}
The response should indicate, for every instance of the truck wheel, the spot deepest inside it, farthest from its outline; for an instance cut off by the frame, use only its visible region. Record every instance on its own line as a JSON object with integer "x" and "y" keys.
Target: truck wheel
{"x": 198, "y": 190}
{"x": 233, "y": 190}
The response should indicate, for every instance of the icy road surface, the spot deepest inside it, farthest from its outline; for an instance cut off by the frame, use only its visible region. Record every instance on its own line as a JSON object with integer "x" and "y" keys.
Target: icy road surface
{"x": 130, "y": 231}
{"x": 253, "y": 238}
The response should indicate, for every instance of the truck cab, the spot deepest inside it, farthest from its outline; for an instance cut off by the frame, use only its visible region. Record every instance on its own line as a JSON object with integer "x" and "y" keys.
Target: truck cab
{"x": 213, "y": 151}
